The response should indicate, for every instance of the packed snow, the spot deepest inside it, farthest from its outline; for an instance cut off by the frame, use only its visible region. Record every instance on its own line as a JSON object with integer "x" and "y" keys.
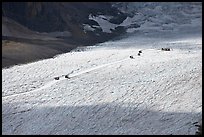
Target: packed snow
{"x": 158, "y": 92}
{"x": 154, "y": 93}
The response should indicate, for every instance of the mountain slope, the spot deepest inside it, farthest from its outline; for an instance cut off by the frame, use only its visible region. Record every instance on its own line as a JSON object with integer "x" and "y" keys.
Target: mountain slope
{"x": 79, "y": 24}
{"x": 159, "y": 92}
{"x": 156, "y": 92}
{"x": 61, "y": 22}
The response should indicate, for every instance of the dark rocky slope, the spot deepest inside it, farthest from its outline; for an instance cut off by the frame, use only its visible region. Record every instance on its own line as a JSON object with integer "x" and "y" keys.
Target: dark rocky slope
{"x": 49, "y": 28}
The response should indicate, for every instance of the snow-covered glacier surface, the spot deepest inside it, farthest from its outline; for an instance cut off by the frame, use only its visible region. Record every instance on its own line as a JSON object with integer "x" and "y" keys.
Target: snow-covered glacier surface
{"x": 107, "y": 92}
{"x": 158, "y": 92}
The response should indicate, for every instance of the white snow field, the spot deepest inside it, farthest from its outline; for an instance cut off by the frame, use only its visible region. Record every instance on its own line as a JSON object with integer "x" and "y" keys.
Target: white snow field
{"x": 159, "y": 92}
{"x": 108, "y": 93}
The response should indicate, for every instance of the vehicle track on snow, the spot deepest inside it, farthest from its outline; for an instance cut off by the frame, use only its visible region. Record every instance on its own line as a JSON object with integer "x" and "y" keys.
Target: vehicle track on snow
{"x": 70, "y": 75}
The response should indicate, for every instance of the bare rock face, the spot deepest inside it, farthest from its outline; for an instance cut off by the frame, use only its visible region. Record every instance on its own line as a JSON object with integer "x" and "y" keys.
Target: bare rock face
{"x": 57, "y": 27}
{"x": 56, "y": 16}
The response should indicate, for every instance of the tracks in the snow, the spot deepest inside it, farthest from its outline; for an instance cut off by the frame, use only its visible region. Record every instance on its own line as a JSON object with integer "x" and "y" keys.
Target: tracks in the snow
{"x": 68, "y": 76}
{"x": 71, "y": 75}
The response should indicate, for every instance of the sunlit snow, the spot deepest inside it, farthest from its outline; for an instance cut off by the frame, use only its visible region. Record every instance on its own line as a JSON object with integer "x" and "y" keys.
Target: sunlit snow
{"x": 156, "y": 93}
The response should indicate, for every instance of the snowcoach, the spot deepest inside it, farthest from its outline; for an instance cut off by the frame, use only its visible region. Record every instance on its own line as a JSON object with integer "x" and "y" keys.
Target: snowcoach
{"x": 131, "y": 57}
{"x": 56, "y": 78}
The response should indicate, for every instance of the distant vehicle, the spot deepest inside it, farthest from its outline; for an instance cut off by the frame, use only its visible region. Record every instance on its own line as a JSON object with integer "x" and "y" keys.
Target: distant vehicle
{"x": 131, "y": 57}
{"x": 165, "y": 49}
{"x": 66, "y": 76}
{"x": 56, "y": 78}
